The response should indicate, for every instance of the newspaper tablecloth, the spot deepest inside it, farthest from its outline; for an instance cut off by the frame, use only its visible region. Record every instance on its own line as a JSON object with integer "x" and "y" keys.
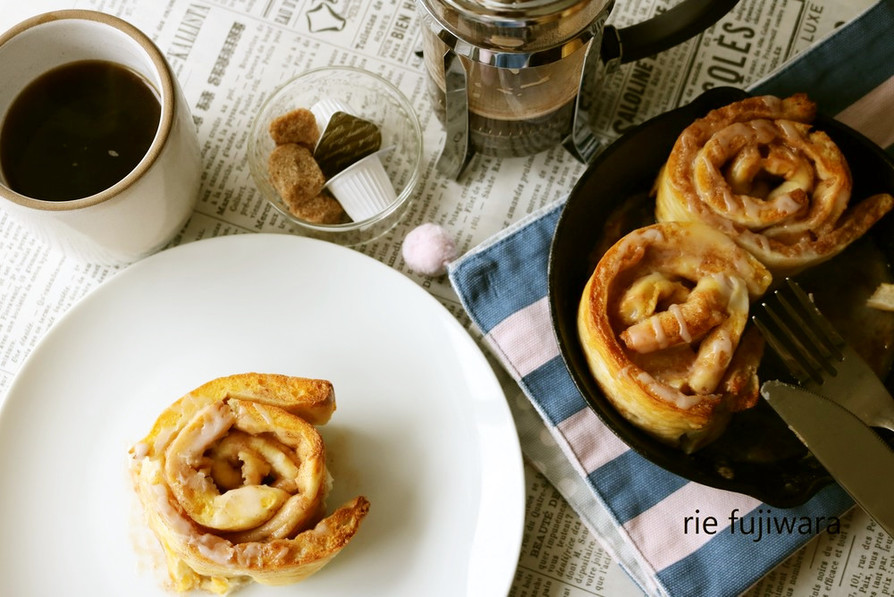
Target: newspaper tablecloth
{"x": 229, "y": 54}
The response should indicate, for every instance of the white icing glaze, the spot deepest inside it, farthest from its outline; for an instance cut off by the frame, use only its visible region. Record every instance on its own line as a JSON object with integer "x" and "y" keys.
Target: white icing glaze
{"x": 651, "y": 235}
{"x": 165, "y": 508}
{"x": 638, "y": 238}
{"x": 140, "y": 450}
{"x": 214, "y": 549}
{"x": 265, "y": 416}
{"x": 163, "y": 439}
{"x": 677, "y": 312}
{"x": 664, "y": 392}
{"x": 252, "y": 552}
{"x": 658, "y": 332}
{"x": 724, "y": 282}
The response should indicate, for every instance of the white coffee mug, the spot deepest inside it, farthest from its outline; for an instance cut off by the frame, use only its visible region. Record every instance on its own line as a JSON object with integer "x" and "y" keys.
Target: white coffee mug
{"x": 143, "y": 211}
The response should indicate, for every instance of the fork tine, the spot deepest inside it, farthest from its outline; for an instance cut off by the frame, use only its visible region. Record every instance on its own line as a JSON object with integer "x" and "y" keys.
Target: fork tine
{"x": 797, "y": 331}
{"x": 818, "y": 326}
{"x": 797, "y": 323}
{"x": 792, "y": 363}
{"x": 796, "y": 357}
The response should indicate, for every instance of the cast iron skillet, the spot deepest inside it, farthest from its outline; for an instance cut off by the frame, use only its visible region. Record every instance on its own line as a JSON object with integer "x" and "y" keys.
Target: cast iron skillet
{"x": 757, "y": 455}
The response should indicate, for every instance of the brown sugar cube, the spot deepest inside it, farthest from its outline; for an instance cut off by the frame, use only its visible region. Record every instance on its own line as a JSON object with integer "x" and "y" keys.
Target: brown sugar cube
{"x": 295, "y": 174}
{"x": 298, "y": 126}
{"x": 322, "y": 209}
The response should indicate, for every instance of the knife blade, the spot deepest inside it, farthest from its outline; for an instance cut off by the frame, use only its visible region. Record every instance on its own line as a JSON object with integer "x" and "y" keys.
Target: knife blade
{"x": 855, "y": 456}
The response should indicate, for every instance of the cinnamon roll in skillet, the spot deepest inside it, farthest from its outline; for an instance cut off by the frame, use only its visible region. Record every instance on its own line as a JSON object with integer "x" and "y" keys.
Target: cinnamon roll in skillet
{"x": 663, "y": 321}
{"x": 759, "y": 171}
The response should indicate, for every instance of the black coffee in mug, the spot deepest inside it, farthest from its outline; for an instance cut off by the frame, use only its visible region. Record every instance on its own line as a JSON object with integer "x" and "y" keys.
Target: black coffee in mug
{"x": 77, "y": 130}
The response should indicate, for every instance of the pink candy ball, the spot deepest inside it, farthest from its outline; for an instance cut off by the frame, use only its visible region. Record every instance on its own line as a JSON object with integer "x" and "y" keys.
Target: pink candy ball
{"x": 428, "y": 248}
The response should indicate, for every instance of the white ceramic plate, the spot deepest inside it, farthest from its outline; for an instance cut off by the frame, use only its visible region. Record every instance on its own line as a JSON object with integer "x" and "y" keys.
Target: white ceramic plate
{"x": 421, "y": 428}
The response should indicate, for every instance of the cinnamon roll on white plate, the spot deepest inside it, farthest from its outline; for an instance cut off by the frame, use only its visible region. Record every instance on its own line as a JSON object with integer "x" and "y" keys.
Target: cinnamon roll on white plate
{"x": 233, "y": 481}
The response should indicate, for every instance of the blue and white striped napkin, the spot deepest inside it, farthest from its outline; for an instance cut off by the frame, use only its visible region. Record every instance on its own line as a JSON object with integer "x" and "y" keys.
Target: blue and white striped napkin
{"x": 637, "y": 509}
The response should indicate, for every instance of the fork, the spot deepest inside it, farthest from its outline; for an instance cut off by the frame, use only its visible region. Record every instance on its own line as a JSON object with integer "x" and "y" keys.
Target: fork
{"x": 819, "y": 358}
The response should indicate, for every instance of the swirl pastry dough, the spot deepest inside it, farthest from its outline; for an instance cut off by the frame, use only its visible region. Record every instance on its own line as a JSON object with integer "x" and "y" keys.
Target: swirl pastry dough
{"x": 758, "y": 171}
{"x": 232, "y": 478}
{"x": 662, "y": 322}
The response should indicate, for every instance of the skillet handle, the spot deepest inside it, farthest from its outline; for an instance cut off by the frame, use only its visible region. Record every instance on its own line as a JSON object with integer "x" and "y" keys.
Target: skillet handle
{"x": 664, "y": 31}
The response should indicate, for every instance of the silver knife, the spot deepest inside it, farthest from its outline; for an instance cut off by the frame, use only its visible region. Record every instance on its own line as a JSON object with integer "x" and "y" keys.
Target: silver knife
{"x": 855, "y": 456}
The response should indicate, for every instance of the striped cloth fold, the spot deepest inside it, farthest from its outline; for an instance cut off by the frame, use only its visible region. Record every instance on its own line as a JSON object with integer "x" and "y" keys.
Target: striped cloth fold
{"x": 636, "y": 508}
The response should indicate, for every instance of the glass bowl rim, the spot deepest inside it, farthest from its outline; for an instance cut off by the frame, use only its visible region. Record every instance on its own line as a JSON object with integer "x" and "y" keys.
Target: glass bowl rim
{"x": 259, "y": 127}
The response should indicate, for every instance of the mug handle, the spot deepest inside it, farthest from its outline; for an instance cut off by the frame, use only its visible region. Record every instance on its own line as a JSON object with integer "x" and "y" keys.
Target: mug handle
{"x": 662, "y": 32}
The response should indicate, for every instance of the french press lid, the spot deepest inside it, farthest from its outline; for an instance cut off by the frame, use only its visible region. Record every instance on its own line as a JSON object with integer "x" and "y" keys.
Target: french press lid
{"x": 515, "y": 25}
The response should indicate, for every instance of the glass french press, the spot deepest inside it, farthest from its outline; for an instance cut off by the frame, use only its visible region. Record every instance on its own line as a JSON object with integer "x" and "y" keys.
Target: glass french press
{"x": 510, "y": 77}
